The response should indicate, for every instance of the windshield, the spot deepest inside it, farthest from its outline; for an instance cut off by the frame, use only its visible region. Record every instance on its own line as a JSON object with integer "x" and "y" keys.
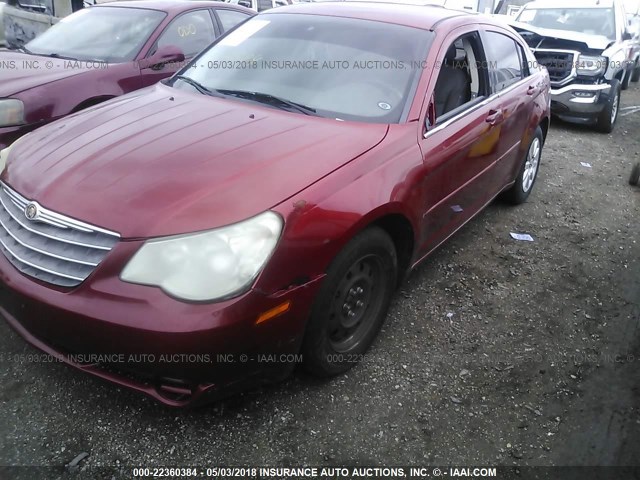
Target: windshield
{"x": 593, "y": 21}
{"x": 107, "y": 34}
{"x": 335, "y": 67}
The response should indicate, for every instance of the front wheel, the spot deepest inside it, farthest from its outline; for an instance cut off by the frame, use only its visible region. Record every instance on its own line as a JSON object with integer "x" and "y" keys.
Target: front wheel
{"x": 626, "y": 79}
{"x": 635, "y": 175}
{"x": 528, "y": 173}
{"x": 352, "y": 304}
{"x": 635, "y": 76}
{"x": 609, "y": 115}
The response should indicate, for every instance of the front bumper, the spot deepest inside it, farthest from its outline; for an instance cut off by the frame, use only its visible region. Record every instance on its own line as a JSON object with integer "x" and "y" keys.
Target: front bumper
{"x": 175, "y": 352}
{"x": 579, "y": 102}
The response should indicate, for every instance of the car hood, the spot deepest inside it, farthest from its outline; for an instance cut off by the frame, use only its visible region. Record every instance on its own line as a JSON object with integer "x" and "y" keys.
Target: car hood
{"x": 590, "y": 42}
{"x": 161, "y": 161}
{"x": 21, "y": 71}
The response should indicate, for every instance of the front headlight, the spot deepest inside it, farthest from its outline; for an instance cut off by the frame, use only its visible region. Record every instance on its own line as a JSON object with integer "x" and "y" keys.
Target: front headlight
{"x": 591, "y": 65}
{"x": 4, "y": 154}
{"x": 208, "y": 265}
{"x": 11, "y": 112}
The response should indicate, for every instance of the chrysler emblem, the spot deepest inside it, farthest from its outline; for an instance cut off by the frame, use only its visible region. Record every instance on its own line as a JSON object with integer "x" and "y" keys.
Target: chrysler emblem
{"x": 31, "y": 210}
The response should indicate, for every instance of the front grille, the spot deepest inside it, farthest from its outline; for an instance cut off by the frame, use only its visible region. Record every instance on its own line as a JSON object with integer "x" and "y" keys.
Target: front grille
{"x": 558, "y": 64}
{"x": 50, "y": 247}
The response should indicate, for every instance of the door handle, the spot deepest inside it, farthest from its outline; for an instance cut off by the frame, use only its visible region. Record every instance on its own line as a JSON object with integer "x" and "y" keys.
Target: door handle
{"x": 495, "y": 117}
{"x": 532, "y": 90}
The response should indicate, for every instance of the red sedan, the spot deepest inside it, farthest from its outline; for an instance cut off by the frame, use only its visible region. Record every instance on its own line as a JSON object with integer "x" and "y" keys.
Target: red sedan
{"x": 260, "y": 207}
{"x": 101, "y": 52}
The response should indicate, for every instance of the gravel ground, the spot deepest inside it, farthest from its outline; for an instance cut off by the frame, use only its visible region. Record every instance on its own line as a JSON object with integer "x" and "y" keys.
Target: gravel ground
{"x": 495, "y": 352}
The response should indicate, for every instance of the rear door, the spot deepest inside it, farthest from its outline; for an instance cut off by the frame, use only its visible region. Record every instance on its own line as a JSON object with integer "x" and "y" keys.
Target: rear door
{"x": 515, "y": 91}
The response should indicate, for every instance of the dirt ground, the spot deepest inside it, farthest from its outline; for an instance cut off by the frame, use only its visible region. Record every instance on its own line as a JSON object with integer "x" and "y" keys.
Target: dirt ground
{"x": 496, "y": 351}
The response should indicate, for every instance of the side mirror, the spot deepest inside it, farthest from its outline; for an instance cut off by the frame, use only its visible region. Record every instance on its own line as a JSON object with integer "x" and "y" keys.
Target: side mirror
{"x": 162, "y": 56}
{"x": 244, "y": 3}
{"x": 430, "y": 118}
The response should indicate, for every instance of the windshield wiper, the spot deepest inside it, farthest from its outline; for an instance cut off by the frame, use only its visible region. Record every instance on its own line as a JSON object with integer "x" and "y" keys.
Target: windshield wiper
{"x": 272, "y": 100}
{"x": 57, "y": 55}
{"x": 25, "y": 50}
{"x": 198, "y": 86}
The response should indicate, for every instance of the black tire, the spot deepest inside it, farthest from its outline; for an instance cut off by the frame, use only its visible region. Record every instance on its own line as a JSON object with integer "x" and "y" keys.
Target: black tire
{"x": 634, "y": 178}
{"x": 609, "y": 115}
{"x": 625, "y": 80}
{"x": 528, "y": 172}
{"x": 636, "y": 72}
{"x": 341, "y": 328}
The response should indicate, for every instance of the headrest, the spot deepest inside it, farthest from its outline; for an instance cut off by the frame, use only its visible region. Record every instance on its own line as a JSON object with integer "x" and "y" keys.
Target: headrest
{"x": 451, "y": 54}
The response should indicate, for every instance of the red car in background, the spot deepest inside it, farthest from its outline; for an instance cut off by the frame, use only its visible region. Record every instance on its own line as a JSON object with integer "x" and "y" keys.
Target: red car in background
{"x": 102, "y": 52}
{"x": 195, "y": 236}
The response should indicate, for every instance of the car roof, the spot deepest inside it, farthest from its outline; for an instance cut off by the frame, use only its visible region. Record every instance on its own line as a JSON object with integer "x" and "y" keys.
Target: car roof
{"x": 424, "y": 16}
{"x": 570, "y": 4}
{"x": 171, "y": 5}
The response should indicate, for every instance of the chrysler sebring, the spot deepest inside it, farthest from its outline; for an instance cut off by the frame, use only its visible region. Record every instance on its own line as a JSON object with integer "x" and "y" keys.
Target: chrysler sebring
{"x": 258, "y": 209}
{"x": 101, "y": 52}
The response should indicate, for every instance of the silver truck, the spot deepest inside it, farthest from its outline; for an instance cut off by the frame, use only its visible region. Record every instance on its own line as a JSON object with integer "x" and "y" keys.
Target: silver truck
{"x": 23, "y": 20}
{"x": 587, "y": 47}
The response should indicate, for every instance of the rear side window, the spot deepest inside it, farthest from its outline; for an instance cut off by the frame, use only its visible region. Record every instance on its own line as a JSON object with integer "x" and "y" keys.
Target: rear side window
{"x": 191, "y": 32}
{"x": 504, "y": 60}
{"x": 230, "y": 18}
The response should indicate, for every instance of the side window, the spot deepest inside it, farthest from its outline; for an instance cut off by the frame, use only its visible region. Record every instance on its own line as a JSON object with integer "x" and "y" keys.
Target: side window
{"x": 191, "y": 32}
{"x": 503, "y": 61}
{"x": 264, "y": 5}
{"x": 230, "y": 18}
{"x": 461, "y": 76}
{"x": 524, "y": 61}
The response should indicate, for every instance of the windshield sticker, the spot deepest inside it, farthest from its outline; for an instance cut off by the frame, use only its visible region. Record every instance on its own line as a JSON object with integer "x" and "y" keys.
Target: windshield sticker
{"x": 244, "y": 32}
{"x": 384, "y": 105}
{"x": 186, "y": 30}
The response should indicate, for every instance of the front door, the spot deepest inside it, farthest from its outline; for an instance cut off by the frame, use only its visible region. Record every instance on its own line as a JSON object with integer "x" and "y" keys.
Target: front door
{"x": 191, "y": 32}
{"x": 461, "y": 143}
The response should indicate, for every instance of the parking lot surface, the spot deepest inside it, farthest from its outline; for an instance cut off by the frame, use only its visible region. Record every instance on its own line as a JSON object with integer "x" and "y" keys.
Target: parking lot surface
{"x": 495, "y": 351}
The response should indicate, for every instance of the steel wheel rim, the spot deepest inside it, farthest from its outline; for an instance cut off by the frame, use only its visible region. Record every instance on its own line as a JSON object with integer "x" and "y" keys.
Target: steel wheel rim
{"x": 531, "y": 165}
{"x": 356, "y": 299}
{"x": 614, "y": 108}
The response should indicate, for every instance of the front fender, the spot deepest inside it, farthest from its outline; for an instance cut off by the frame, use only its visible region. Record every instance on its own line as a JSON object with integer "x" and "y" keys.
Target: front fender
{"x": 324, "y": 217}
{"x": 617, "y": 62}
